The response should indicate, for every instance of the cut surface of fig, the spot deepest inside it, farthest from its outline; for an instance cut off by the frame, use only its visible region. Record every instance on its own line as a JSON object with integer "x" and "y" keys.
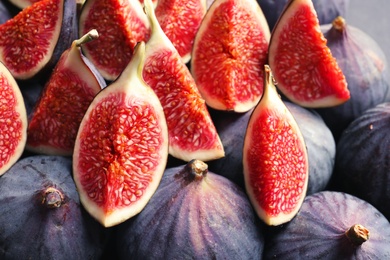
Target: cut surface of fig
{"x": 73, "y": 84}
{"x": 26, "y": 46}
{"x": 13, "y": 120}
{"x": 192, "y": 133}
{"x": 274, "y": 158}
{"x": 121, "y": 147}
{"x": 303, "y": 66}
{"x": 229, "y": 52}
{"x": 121, "y": 24}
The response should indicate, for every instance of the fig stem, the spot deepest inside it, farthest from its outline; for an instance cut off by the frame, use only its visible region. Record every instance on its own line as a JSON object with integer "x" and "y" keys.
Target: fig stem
{"x": 89, "y": 36}
{"x": 52, "y": 198}
{"x": 198, "y": 168}
{"x": 357, "y": 234}
{"x": 339, "y": 23}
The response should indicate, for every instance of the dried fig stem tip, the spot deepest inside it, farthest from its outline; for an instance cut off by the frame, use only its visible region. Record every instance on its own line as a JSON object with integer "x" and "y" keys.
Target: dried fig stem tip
{"x": 339, "y": 23}
{"x": 358, "y": 234}
{"x": 52, "y": 198}
{"x": 197, "y": 168}
{"x": 89, "y": 36}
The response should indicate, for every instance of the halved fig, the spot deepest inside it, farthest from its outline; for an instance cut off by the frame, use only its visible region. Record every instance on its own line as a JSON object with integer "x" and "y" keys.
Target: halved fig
{"x": 229, "y": 52}
{"x": 121, "y": 147}
{"x": 192, "y": 134}
{"x": 29, "y": 42}
{"x": 13, "y": 120}
{"x": 180, "y": 21}
{"x": 73, "y": 84}
{"x": 302, "y": 64}
{"x": 275, "y": 160}
{"x": 121, "y": 25}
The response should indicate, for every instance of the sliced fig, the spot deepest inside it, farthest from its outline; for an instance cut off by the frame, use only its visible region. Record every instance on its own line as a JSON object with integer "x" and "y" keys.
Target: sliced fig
{"x": 29, "y": 42}
{"x": 73, "y": 84}
{"x": 13, "y": 120}
{"x": 192, "y": 134}
{"x": 121, "y": 147}
{"x": 180, "y": 21}
{"x": 303, "y": 65}
{"x": 275, "y": 160}
{"x": 121, "y": 25}
{"x": 229, "y": 52}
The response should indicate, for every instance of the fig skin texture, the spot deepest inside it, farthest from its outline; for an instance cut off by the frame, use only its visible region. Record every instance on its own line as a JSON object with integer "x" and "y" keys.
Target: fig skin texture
{"x": 362, "y": 165}
{"x": 366, "y": 70}
{"x": 42, "y": 217}
{"x": 322, "y": 230}
{"x": 194, "y": 214}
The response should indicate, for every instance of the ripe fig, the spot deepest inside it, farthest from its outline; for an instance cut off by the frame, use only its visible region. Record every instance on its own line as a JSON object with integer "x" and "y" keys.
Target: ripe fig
{"x": 275, "y": 160}
{"x": 331, "y": 225}
{"x": 192, "y": 134}
{"x": 121, "y": 147}
{"x": 33, "y": 40}
{"x": 229, "y": 52}
{"x": 181, "y": 24}
{"x": 194, "y": 214}
{"x": 73, "y": 84}
{"x": 366, "y": 70}
{"x": 41, "y": 214}
{"x": 121, "y": 25}
{"x": 303, "y": 65}
{"x": 13, "y": 120}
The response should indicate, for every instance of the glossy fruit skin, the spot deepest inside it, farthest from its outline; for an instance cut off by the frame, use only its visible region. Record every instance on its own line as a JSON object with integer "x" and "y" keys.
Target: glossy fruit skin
{"x": 29, "y": 229}
{"x": 362, "y": 158}
{"x": 366, "y": 70}
{"x": 318, "y": 230}
{"x": 326, "y": 10}
{"x": 192, "y": 217}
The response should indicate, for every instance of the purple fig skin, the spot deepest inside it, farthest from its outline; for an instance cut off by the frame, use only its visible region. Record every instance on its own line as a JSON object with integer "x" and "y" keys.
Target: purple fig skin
{"x": 7, "y": 11}
{"x": 38, "y": 224}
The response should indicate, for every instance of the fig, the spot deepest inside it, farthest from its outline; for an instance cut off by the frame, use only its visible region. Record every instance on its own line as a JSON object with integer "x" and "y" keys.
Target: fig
{"x": 363, "y": 156}
{"x": 121, "y": 147}
{"x": 57, "y": 115}
{"x": 275, "y": 160}
{"x": 121, "y": 25}
{"x": 13, "y": 120}
{"x": 7, "y": 11}
{"x": 332, "y": 225}
{"x": 41, "y": 213}
{"x": 365, "y": 67}
{"x": 192, "y": 134}
{"x": 229, "y": 52}
{"x": 326, "y": 10}
{"x": 181, "y": 24}
{"x": 194, "y": 214}
{"x": 305, "y": 70}
{"x": 33, "y": 40}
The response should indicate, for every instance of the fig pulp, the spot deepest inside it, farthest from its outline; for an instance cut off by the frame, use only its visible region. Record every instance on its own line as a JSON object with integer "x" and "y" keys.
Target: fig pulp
{"x": 194, "y": 214}
{"x": 181, "y": 24}
{"x": 229, "y": 52}
{"x": 121, "y": 25}
{"x": 13, "y": 120}
{"x": 121, "y": 147}
{"x": 73, "y": 84}
{"x": 192, "y": 133}
{"x": 274, "y": 158}
{"x": 303, "y": 65}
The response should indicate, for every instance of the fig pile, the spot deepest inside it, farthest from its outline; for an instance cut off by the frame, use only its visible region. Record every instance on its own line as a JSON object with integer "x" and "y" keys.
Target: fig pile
{"x": 199, "y": 129}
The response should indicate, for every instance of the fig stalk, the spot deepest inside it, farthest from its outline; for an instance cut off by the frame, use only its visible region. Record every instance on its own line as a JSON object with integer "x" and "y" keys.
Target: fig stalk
{"x": 52, "y": 198}
{"x": 89, "y": 36}
{"x": 358, "y": 234}
{"x": 339, "y": 23}
{"x": 197, "y": 169}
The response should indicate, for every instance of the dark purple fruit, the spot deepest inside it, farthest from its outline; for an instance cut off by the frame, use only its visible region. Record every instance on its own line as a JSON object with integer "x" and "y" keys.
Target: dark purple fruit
{"x": 332, "y": 225}
{"x": 362, "y": 165}
{"x": 41, "y": 213}
{"x": 365, "y": 68}
{"x": 194, "y": 214}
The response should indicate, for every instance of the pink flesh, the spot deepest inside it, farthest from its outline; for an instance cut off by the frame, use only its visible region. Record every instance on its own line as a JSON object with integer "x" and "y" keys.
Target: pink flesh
{"x": 276, "y": 165}
{"x": 189, "y": 123}
{"x": 119, "y": 151}
{"x": 58, "y": 113}
{"x": 231, "y": 55}
{"x": 25, "y": 40}
{"x": 11, "y": 123}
